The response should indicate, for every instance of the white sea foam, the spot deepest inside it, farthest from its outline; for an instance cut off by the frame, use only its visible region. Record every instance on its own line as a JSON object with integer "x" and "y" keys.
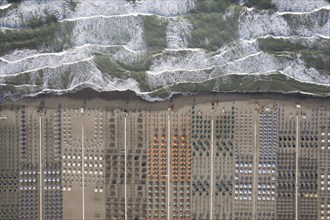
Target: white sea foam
{"x": 178, "y": 33}
{"x": 255, "y": 24}
{"x": 182, "y": 60}
{"x": 2, "y": 7}
{"x": 126, "y": 31}
{"x": 299, "y": 5}
{"x": 32, "y": 9}
{"x": 168, "y": 8}
{"x": 304, "y": 12}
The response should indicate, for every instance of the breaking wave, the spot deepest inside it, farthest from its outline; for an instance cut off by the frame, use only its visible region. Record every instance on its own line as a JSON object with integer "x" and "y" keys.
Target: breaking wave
{"x": 108, "y": 46}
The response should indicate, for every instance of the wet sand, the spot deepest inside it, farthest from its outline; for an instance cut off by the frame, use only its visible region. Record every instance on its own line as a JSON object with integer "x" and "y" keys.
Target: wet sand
{"x": 128, "y": 100}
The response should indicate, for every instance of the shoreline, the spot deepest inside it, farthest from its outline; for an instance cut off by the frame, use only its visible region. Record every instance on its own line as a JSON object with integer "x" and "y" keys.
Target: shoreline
{"x": 129, "y": 100}
{"x": 92, "y": 93}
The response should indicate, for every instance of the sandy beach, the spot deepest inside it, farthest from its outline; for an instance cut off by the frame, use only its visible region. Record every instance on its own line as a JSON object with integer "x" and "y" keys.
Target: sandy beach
{"x": 113, "y": 155}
